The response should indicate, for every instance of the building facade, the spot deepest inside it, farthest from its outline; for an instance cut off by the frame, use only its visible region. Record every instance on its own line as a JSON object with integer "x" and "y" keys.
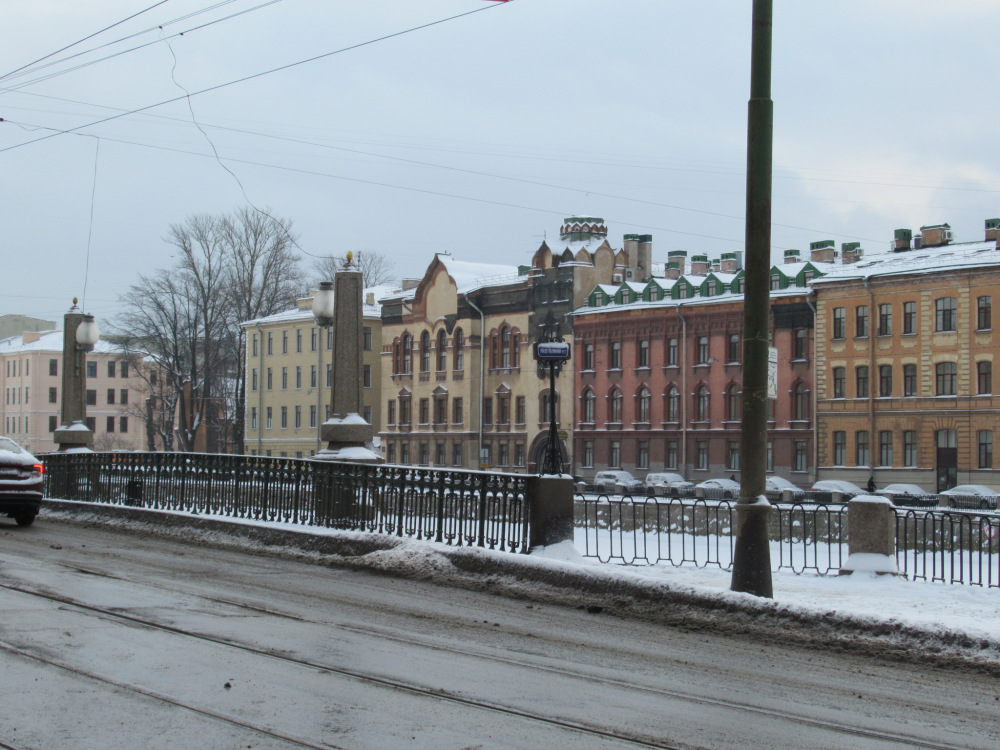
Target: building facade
{"x": 290, "y": 376}
{"x": 31, "y": 377}
{"x": 907, "y": 351}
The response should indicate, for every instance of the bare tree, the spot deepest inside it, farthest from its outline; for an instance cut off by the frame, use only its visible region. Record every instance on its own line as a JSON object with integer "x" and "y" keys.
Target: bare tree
{"x": 376, "y": 268}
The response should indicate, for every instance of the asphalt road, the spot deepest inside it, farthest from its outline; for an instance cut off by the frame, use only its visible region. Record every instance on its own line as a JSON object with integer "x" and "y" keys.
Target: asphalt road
{"x": 112, "y": 639}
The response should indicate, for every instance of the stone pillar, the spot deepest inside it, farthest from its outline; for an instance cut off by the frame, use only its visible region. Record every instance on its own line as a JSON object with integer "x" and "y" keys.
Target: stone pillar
{"x": 550, "y": 510}
{"x": 871, "y": 536}
{"x": 73, "y": 432}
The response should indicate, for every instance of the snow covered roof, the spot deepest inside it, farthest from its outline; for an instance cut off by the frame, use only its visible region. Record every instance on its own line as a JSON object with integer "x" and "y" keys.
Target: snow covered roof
{"x": 50, "y": 341}
{"x": 925, "y": 260}
{"x": 590, "y": 244}
{"x": 302, "y": 313}
{"x": 470, "y": 276}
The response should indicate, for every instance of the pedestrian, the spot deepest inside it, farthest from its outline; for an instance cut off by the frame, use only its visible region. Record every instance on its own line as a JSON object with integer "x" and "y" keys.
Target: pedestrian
{"x": 871, "y": 484}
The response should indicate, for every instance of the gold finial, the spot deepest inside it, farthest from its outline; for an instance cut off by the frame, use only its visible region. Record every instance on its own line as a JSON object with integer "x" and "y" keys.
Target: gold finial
{"x": 350, "y": 257}
{"x": 75, "y": 301}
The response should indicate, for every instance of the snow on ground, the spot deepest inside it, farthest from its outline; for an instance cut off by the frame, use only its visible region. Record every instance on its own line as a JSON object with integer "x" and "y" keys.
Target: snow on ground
{"x": 880, "y": 602}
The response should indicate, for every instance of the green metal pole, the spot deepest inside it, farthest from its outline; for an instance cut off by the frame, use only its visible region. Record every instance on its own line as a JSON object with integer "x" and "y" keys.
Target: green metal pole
{"x": 752, "y": 556}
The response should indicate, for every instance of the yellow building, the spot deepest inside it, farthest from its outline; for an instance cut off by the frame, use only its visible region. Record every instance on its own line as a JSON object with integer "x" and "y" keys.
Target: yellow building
{"x": 906, "y": 349}
{"x": 290, "y": 375}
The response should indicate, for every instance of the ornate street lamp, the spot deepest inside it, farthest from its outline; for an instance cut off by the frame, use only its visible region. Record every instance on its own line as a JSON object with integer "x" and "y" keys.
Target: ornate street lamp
{"x": 80, "y": 335}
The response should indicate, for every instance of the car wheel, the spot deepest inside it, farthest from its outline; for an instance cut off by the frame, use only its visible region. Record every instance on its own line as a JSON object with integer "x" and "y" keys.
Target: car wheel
{"x": 984, "y": 505}
{"x": 951, "y": 503}
{"x": 25, "y": 519}
{"x": 727, "y": 495}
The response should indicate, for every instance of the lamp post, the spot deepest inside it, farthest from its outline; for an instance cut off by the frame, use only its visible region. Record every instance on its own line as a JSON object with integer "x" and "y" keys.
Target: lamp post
{"x": 80, "y": 334}
{"x": 340, "y": 304}
{"x": 322, "y": 310}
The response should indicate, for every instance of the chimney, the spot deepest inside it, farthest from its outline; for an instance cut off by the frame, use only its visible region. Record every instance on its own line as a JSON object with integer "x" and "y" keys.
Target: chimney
{"x": 851, "y": 252}
{"x": 699, "y": 265}
{"x": 792, "y": 256}
{"x": 824, "y": 251}
{"x": 409, "y": 284}
{"x": 673, "y": 270}
{"x": 370, "y": 299}
{"x": 716, "y": 265}
{"x": 679, "y": 257}
{"x": 992, "y": 230}
{"x": 730, "y": 263}
{"x": 901, "y": 240}
{"x": 645, "y": 257}
{"x": 936, "y": 235}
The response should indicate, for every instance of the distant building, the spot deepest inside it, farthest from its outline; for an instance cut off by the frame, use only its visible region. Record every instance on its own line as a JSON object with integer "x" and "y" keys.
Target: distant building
{"x": 907, "y": 352}
{"x": 290, "y": 373}
{"x": 14, "y": 325}
{"x": 31, "y": 379}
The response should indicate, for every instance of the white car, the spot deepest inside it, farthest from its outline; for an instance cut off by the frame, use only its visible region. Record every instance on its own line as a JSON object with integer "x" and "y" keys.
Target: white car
{"x": 719, "y": 489}
{"x": 608, "y": 481}
{"x": 909, "y": 495}
{"x": 846, "y": 489}
{"x": 775, "y": 488}
{"x": 668, "y": 483}
{"x": 971, "y": 496}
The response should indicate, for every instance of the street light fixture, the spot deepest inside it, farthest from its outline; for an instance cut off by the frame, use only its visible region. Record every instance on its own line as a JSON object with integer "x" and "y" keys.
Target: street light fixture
{"x": 80, "y": 335}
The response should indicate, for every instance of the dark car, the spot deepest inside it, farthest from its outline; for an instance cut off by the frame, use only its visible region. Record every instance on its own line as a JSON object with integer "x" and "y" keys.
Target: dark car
{"x": 20, "y": 482}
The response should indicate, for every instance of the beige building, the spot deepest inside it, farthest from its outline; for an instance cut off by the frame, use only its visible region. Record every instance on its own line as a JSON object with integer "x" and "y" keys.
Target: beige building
{"x": 31, "y": 376}
{"x": 290, "y": 374}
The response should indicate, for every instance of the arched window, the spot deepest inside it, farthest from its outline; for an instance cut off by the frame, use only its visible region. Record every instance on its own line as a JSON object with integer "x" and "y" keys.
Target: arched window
{"x": 615, "y": 406}
{"x": 442, "y": 351}
{"x": 425, "y": 351}
{"x": 800, "y": 402}
{"x": 701, "y": 404}
{"x": 458, "y": 356}
{"x": 588, "y": 406}
{"x": 407, "y": 363}
{"x": 672, "y": 409}
{"x": 734, "y": 405}
{"x": 642, "y": 412}
{"x": 505, "y": 347}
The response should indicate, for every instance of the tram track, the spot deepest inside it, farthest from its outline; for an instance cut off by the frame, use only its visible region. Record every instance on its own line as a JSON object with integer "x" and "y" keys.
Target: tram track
{"x": 434, "y": 694}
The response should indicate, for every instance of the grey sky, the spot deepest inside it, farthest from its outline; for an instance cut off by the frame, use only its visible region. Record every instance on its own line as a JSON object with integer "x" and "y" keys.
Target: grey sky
{"x": 478, "y": 135}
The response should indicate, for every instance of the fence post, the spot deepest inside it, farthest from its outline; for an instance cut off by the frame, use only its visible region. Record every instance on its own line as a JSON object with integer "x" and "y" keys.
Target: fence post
{"x": 871, "y": 531}
{"x": 550, "y": 510}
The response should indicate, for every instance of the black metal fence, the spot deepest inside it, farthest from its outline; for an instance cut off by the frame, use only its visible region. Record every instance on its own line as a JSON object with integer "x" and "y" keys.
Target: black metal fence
{"x": 950, "y": 546}
{"x": 461, "y": 508}
{"x": 648, "y": 531}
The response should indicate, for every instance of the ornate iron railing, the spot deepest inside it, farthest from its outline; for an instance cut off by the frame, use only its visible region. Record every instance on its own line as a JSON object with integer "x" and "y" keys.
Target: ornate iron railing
{"x": 951, "y": 546}
{"x": 461, "y": 508}
{"x": 648, "y": 531}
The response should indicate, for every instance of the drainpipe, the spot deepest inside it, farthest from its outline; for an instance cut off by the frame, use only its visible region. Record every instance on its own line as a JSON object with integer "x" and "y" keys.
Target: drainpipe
{"x": 260, "y": 393}
{"x": 815, "y": 396}
{"x": 482, "y": 378}
{"x": 872, "y": 382}
{"x": 684, "y": 397}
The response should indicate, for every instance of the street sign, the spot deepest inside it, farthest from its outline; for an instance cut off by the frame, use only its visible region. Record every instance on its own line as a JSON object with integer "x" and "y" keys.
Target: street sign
{"x": 551, "y": 351}
{"x": 772, "y": 372}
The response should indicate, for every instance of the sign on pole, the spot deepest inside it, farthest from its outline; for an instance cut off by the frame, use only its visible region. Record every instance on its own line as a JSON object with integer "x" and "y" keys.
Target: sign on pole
{"x": 772, "y": 372}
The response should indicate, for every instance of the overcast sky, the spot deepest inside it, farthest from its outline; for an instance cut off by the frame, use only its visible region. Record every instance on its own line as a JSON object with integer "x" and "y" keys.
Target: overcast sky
{"x": 477, "y": 135}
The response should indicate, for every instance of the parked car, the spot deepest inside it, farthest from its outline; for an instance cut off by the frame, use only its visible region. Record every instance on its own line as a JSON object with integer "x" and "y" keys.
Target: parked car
{"x": 20, "y": 482}
{"x": 822, "y": 491}
{"x": 776, "y": 487}
{"x": 971, "y": 496}
{"x": 908, "y": 495}
{"x": 608, "y": 481}
{"x": 719, "y": 489}
{"x": 668, "y": 483}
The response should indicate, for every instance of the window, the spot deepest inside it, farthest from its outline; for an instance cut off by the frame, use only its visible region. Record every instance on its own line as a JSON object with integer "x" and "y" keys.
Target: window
{"x": 284, "y": 342}
{"x": 588, "y": 357}
{"x": 442, "y": 352}
{"x": 298, "y": 377}
{"x": 588, "y": 453}
{"x": 984, "y": 313}
{"x": 406, "y": 352}
{"x": 109, "y": 424}
{"x": 861, "y": 381}
{"x": 284, "y": 417}
{"x": 945, "y": 314}
{"x": 91, "y": 398}
{"x": 253, "y": 417}
{"x": 425, "y": 352}
{"x": 91, "y": 423}
{"x": 642, "y": 455}
{"x": 672, "y": 453}
{"x": 54, "y": 367}
{"x": 313, "y": 339}
{"x": 616, "y": 355}
{"x": 702, "y": 350}
{"x": 839, "y": 448}
{"x": 946, "y": 375}
{"x": 885, "y": 448}
{"x": 885, "y": 381}
{"x": 425, "y": 411}
{"x": 312, "y": 413}
{"x": 284, "y": 378}
{"x": 733, "y": 455}
{"x": 644, "y": 353}
{"x": 673, "y": 405}
{"x": 642, "y": 414}
{"x": 615, "y": 406}
{"x": 439, "y": 454}
{"x": 800, "y": 402}
{"x": 488, "y": 410}
{"x": 53, "y": 395}
{"x": 298, "y": 417}
{"x": 270, "y": 342}
{"x": 298, "y": 340}
{"x": 519, "y": 410}
{"x": 329, "y": 376}
{"x": 313, "y": 375}
{"x": 861, "y": 448}
{"x": 329, "y": 338}
{"x": 701, "y": 404}
{"x": 839, "y": 382}
{"x": 123, "y": 396}
{"x": 910, "y": 448}
{"x": 456, "y": 411}
{"x": 800, "y": 460}
{"x": 505, "y": 351}
{"x": 909, "y": 380}
{"x": 366, "y": 376}
{"x": 839, "y": 323}
{"x": 456, "y": 454}
{"x": 909, "y": 318}
{"x": 733, "y": 355}
{"x": 91, "y": 369}
{"x": 672, "y": 349}
{"x": 123, "y": 369}
{"x": 270, "y": 379}
{"x": 801, "y": 344}
{"x": 985, "y": 449}
{"x": 984, "y": 377}
{"x": 458, "y": 355}
{"x": 615, "y": 457}
{"x": 885, "y": 320}
{"x": 366, "y": 338}
{"x": 111, "y": 373}
{"x": 861, "y": 321}
{"x": 53, "y": 426}
{"x": 390, "y": 416}
{"x": 734, "y": 406}
{"x": 111, "y": 396}
{"x": 404, "y": 410}
{"x": 424, "y": 454}
{"x": 440, "y": 410}
{"x": 268, "y": 418}
{"x": 404, "y": 453}
{"x": 701, "y": 455}
{"x": 503, "y": 408}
